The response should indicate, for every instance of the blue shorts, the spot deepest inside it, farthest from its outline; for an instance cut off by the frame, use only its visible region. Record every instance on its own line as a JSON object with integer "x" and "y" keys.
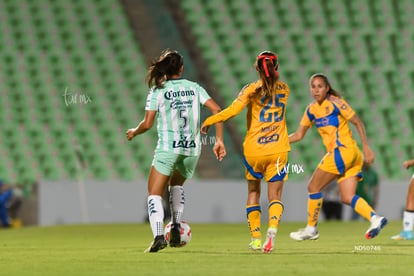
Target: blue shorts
{"x": 167, "y": 162}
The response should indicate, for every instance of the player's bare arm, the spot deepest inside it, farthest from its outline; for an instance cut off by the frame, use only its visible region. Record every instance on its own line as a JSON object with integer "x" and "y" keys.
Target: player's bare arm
{"x": 408, "y": 163}
{"x": 143, "y": 126}
{"x": 219, "y": 149}
{"x": 368, "y": 153}
{"x": 298, "y": 134}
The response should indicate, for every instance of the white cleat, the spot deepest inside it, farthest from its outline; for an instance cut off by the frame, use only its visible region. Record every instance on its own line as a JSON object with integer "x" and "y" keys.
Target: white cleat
{"x": 302, "y": 235}
{"x": 270, "y": 240}
{"x": 377, "y": 224}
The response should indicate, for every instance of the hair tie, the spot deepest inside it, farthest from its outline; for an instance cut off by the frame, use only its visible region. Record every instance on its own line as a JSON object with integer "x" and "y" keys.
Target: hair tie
{"x": 265, "y": 67}
{"x": 271, "y": 58}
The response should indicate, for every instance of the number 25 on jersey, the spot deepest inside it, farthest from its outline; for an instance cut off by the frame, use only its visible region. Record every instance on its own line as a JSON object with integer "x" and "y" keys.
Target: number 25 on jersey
{"x": 272, "y": 102}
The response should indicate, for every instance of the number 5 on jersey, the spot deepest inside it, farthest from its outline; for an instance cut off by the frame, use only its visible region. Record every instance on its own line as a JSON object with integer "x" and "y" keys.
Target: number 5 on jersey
{"x": 183, "y": 116}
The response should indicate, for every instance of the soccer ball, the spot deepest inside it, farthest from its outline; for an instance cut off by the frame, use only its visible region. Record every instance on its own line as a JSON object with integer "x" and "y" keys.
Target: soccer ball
{"x": 185, "y": 233}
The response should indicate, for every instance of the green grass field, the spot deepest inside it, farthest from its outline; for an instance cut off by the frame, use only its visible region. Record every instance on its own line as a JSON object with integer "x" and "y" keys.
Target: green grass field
{"x": 215, "y": 249}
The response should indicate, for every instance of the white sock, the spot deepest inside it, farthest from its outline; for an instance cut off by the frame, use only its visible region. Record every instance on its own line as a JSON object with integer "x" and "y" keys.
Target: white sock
{"x": 373, "y": 218}
{"x": 156, "y": 214}
{"x": 408, "y": 221}
{"x": 177, "y": 200}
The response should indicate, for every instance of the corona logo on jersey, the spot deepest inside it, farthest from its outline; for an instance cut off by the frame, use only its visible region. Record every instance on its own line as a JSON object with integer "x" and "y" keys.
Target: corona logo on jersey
{"x": 169, "y": 95}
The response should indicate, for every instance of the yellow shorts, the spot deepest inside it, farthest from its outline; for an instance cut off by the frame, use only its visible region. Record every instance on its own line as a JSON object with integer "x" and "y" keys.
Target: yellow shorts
{"x": 343, "y": 161}
{"x": 271, "y": 167}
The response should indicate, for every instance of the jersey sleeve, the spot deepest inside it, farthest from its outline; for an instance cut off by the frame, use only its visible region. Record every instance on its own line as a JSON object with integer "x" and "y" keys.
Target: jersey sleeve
{"x": 235, "y": 108}
{"x": 307, "y": 118}
{"x": 204, "y": 96}
{"x": 151, "y": 103}
{"x": 344, "y": 108}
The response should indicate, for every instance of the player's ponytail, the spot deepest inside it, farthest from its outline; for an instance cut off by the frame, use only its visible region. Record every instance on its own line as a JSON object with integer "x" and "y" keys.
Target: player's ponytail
{"x": 326, "y": 80}
{"x": 167, "y": 65}
{"x": 267, "y": 65}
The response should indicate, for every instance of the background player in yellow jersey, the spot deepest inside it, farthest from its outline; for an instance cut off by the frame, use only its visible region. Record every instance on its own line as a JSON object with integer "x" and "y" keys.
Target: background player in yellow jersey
{"x": 265, "y": 146}
{"x": 343, "y": 160}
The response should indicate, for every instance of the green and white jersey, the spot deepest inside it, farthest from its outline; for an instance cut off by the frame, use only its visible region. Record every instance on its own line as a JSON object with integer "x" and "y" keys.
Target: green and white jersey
{"x": 178, "y": 106}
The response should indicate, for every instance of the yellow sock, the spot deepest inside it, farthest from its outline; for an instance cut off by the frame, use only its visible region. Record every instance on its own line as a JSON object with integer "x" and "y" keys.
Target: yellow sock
{"x": 275, "y": 213}
{"x": 362, "y": 207}
{"x": 253, "y": 218}
{"x": 314, "y": 208}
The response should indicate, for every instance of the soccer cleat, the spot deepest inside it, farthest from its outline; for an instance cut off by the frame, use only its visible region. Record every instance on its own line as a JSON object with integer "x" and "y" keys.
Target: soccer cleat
{"x": 255, "y": 245}
{"x": 157, "y": 244}
{"x": 175, "y": 235}
{"x": 270, "y": 240}
{"x": 302, "y": 234}
{"x": 377, "y": 224}
{"x": 404, "y": 235}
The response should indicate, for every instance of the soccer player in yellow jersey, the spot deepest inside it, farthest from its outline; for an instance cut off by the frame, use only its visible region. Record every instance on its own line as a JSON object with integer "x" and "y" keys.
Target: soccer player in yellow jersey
{"x": 266, "y": 144}
{"x": 343, "y": 160}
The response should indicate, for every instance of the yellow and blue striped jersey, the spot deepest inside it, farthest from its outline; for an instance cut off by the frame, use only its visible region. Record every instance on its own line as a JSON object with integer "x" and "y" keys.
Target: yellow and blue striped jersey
{"x": 266, "y": 125}
{"x": 331, "y": 119}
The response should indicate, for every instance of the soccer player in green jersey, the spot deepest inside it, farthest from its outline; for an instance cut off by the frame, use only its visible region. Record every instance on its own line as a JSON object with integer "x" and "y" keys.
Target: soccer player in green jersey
{"x": 176, "y": 103}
